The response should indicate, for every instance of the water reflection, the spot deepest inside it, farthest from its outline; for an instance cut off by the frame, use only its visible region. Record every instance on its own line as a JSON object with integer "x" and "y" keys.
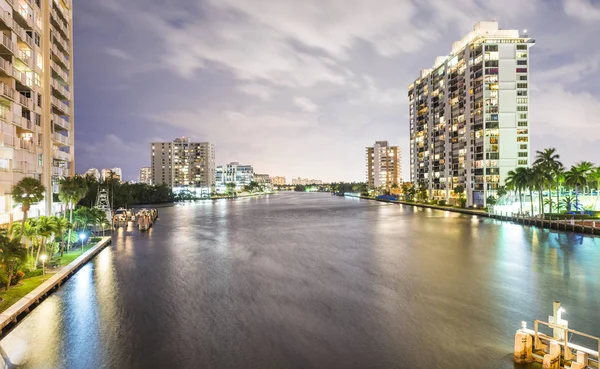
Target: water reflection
{"x": 310, "y": 281}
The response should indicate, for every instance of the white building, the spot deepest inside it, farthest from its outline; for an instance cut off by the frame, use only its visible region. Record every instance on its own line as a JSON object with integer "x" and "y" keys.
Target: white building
{"x": 116, "y": 173}
{"x": 234, "y": 172}
{"x": 384, "y": 165}
{"x": 146, "y": 175}
{"x": 306, "y": 181}
{"x": 183, "y": 165}
{"x": 36, "y": 103}
{"x": 469, "y": 115}
{"x": 93, "y": 172}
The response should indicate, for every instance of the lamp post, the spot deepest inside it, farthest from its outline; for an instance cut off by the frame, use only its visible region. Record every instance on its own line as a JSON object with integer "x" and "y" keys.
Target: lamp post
{"x": 82, "y": 237}
{"x": 43, "y": 258}
{"x": 103, "y": 228}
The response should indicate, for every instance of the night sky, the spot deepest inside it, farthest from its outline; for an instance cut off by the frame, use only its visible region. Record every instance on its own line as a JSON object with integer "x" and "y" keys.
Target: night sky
{"x": 299, "y": 88}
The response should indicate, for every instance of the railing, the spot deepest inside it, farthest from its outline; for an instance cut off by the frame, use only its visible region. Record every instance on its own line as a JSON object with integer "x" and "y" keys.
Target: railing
{"x": 61, "y": 122}
{"x": 60, "y": 71}
{"x": 537, "y": 341}
{"x": 59, "y": 39}
{"x": 61, "y": 56}
{"x": 7, "y": 42}
{"x": 22, "y": 77}
{"x": 60, "y": 138}
{"x": 8, "y": 140}
{"x": 24, "y": 145}
{"x": 60, "y": 105}
{"x": 6, "y": 66}
{"x": 60, "y": 88}
{"x": 6, "y": 18}
{"x": 61, "y": 155}
{"x": 7, "y": 91}
{"x": 61, "y": 24}
{"x": 26, "y": 101}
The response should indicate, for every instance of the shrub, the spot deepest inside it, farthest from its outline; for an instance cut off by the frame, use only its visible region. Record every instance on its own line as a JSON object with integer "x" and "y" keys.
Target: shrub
{"x": 463, "y": 202}
{"x": 33, "y": 273}
{"x": 17, "y": 278}
{"x": 442, "y": 203}
{"x": 433, "y": 202}
{"x": 95, "y": 239}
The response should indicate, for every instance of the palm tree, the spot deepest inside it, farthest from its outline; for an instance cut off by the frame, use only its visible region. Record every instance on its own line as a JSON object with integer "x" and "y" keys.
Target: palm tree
{"x": 595, "y": 177}
{"x": 540, "y": 177}
{"x": 46, "y": 229}
{"x": 62, "y": 225}
{"x": 501, "y": 192}
{"x": 586, "y": 168}
{"x": 26, "y": 192}
{"x": 548, "y": 159}
{"x": 11, "y": 253}
{"x": 576, "y": 178}
{"x": 72, "y": 190}
{"x": 518, "y": 180}
{"x": 30, "y": 233}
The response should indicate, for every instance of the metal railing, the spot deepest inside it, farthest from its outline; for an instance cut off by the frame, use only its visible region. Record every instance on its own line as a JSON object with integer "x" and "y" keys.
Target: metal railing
{"x": 537, "y": 344}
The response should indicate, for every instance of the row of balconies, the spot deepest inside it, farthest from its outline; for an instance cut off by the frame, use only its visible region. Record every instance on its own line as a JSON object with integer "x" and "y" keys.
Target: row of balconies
{"x": 60, "y": 172}
{"x": 61, "y": 155}
{"x": 61, "y": 139}
{"x": 61, "y": 41}
{"x": 22, "y": 78}
{"x": 60, "y": 122}
{"x": 60, "y": 71}
{"x": 60, "y": 23}
{"x": 60, "y": 89}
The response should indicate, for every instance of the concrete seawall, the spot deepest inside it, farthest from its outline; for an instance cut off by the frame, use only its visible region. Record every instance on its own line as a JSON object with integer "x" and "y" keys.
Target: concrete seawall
{"x": 24, "y": 305}
{"x": 537, "y": 222}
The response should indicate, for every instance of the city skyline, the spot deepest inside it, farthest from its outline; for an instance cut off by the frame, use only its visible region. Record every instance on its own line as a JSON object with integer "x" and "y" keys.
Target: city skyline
{"x": 345, "y": 92}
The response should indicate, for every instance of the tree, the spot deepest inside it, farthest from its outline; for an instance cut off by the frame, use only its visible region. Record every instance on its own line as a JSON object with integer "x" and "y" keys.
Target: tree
{"x": 595, "y": 177}
{"x": 62, "y": 225}
{"x": 27, "y": 191}
{"x": 11, "y": 254}
{"x": 491, "y": 201}
{"x": 72, "y": 190}
{"x": 576, "y": 178}
{"x": 460, "y": 192}
{"x": 46, "y": 227}
{"x": 549, "y": 161}
{"x": 501, "y": 192}
{"x": 540, "y": 176}
{"x": 30, "y": 232}
{"x": 517, "y": 180}
{"x": 230, "y": 188}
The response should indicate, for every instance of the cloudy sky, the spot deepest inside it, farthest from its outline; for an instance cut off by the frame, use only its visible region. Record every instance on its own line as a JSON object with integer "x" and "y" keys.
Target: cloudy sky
{"x": 299, "y": 88}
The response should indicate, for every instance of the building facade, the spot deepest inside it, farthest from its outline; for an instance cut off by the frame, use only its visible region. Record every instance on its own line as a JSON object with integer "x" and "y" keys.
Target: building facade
{"x": 36, "y": 106}
{"x": 278, "y": 181}
{"x": 469, "y": 115}
{"x": 306, "y": 181}
{"x": 93, "y": 172}
{"x": 384, "y": 165}
{"x": 183, "y": 164}
{"x": 114, "y": 173}
{"x": 234, "y": 172}
{"x": 146, "y": 175}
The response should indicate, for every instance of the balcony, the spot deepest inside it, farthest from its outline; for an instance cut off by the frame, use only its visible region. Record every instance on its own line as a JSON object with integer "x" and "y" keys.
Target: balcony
{"x": 25, "y": 58}
{"x": 6, "y": 18}
{"x": 60, "y": 57}
{"x": 61, "y": 42}
{"x": 24, "y": 15}
{"x": 59, "y": 24}
{"x": 26, "y": 101}
{"x": 7, "y": 92}
{"x": 24, "y": 145}
{"x": 7, "y": 140}
{"x": 59, "y": 71}
{"x": 60, "y": 106}
{"x": 6, "y": 67}
{"x": 22, "y": 78}
{"x": 60, "y": 123}
{"x": 60, "y": 90}
{"x": 60, "y": 139}
{"x": 23, "y": 35}
{"x": 60, "y": 172}
{"x": 7, "y": 43}
{"x": 61, "y": 155}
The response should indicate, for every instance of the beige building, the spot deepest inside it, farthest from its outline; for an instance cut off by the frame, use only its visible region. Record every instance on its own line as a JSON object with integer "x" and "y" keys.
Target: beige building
{"x": 306, "y": 181}
{"x": 183, "y": 164}
{"x": 116, "y": 173}
{"x": 93, "y": 172}
{"x": 146, "y": 175}
{"x": 278, "y": 181}
{"x": 36, "y": 99}
{"x": 384, "y": 165}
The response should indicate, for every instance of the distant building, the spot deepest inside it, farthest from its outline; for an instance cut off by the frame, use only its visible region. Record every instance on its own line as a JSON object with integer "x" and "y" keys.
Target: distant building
{"x": 93, "y": 172}
{"x": 384, "y": 165}
{"x": 116, "y": 173}
{"x": 278, "y": 181}
{"x": 234, "y": 172}
{"x": 306, "y": 181}
{"x": 262, "y": 178}
{"x": 146, "y": 175}
{"x": 182, "y": 164}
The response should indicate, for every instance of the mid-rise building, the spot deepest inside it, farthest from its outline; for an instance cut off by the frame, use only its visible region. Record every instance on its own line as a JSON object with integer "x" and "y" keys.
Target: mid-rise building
{"x": 93, "y": 172}
{"x": 384, "y": 165}
{"x": 146, "y": 175}
{"x": 112, "y": 173}
{"x": 469, "y": 115}
{"x": 36, "y": 106}
{"x": 183, "y": 164}
{"x": 278, "y": 181}
{"x": 234, "y": 172}
{"x": 306, "y": 181}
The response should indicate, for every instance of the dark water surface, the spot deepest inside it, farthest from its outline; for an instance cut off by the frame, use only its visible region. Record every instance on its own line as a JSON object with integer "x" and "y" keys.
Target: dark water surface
{"x": 311, "y": 281}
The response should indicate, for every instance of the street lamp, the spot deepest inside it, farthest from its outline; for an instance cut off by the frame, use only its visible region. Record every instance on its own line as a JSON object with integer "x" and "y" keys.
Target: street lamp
{"x": 82, "y": 237}
{"x": 103, "y": 228}
{"x": 43, "y": 258}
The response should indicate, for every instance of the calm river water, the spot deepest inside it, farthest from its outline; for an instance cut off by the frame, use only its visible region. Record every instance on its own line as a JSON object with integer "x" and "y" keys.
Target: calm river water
{"x": 310, "y": 281}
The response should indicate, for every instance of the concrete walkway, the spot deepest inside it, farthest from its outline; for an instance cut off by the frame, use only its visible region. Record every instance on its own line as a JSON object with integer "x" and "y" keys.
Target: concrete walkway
{"x": 11, "y": 314}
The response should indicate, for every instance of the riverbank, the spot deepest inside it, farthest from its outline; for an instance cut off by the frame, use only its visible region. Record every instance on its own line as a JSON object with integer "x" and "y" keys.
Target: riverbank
{"x": 37, "y": 288}
{"x": 241, "y": 195}
{"x": 559, "y": 225}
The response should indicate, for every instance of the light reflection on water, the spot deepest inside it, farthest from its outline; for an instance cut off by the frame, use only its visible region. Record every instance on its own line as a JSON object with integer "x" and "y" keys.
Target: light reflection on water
{"x": 310, "y": 281}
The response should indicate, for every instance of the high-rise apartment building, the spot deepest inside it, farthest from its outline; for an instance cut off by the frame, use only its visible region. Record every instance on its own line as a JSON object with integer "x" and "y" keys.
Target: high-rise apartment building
{"x": 114, "y": 173}
{"x": 36, "y": 92}
{"x": 278, "y": 181}
{"x": 146, "y": 175}
{"x": 183, "y": 164}
{"x": 93, "y": 172}
{"x": 469, "y": 115}
{"x": 384, "y": 165}
{"x": 234, "y": 172}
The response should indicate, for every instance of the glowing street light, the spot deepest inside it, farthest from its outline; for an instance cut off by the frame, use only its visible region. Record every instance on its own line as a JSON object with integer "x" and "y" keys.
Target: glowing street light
{"x": 82, "y": 237}
{"x": 43, "y": 258}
